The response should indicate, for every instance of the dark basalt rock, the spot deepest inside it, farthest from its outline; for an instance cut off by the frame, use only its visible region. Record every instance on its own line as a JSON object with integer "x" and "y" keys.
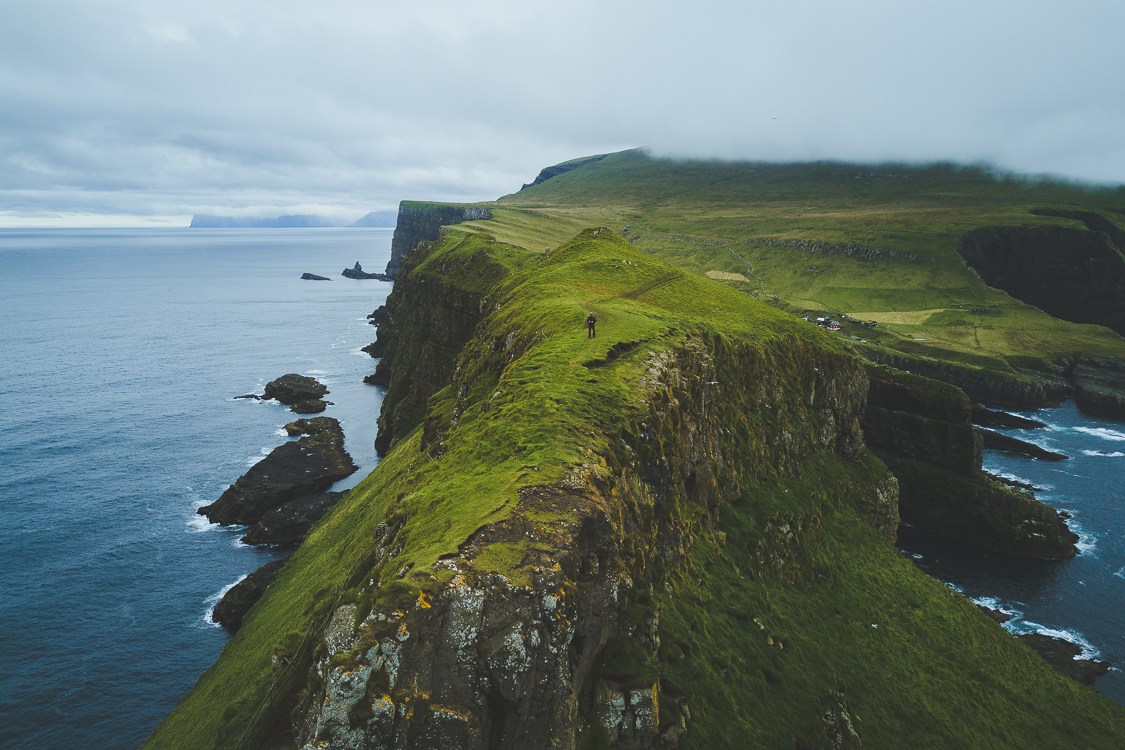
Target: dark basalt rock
{"x": 1100, "y": 386}
{"x": 291, "y": 388}
{"x": 1061, "y": 654}
{"x": 998, "y": 441}
{"x": 289, "y": 523}
{"x": 994, "y": 614}
{"x": 921, "y": 430}
{"x": 292, "y": 470}
{"x": 1018, "y": 485}
{"x": 232, "y": 608}
{"x": 314, "y": 277}
{"x": 378, "y": 316}
{"x": 309, "y": 406}
{"x": 357, "y": 272}
{"x": 312, "y": 426}
{"x": 986, "y": 417}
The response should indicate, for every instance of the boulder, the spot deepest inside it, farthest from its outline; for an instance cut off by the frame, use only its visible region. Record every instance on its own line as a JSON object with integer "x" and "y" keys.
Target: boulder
{"x": 232, "y": 608}
{"x": 292, "y": 470}
{"x": 291, "y": 388}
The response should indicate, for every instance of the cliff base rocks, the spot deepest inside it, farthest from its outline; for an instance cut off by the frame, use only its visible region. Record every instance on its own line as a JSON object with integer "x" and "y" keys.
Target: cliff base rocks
{"x": 290, "y": 523}
{"x": 1100, "y": 386}
{"x": 232, "y": 608}
{"x": 292, "y": 470}
{"x": 1062, "y": 655}
{"x": 998, "y": 441}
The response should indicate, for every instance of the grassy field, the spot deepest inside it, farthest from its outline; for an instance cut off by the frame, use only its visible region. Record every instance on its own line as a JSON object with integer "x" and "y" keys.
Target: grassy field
{"x": 784, "y": 233}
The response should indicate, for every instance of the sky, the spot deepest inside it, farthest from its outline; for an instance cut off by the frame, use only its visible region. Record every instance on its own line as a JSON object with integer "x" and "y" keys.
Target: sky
{"x": 130, "y": 113}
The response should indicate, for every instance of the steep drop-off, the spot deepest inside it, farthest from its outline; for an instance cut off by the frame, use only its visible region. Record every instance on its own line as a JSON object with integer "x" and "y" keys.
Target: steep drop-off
{"x": 671, "y": 535}
{"x": 1072, "y": 274}
{"x": 422, "y": 222}
{"x": 922, "y": 431}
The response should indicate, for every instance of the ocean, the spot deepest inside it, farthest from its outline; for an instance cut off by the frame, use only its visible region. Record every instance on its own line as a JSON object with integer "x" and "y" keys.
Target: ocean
{"x": 124, "y": 350}
{"x": 1081, "y": 600}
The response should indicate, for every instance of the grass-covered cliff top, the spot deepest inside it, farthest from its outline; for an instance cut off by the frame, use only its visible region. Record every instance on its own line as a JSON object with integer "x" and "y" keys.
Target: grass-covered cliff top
{"x": 755, "y": 654}
{"x": 795, "y": 235}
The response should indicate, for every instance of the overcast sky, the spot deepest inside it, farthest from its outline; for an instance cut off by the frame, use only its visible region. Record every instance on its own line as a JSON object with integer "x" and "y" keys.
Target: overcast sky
{"x": 127, "y": 112}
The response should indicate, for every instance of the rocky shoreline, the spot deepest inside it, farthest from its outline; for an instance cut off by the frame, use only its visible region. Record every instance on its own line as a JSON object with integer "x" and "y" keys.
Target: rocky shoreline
{"x": 1060, "y": 653}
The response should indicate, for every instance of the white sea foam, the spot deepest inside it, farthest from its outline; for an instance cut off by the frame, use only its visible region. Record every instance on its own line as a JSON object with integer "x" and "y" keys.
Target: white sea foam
{"x": 280, "y": 432}
{"x": 316, "y": 372}
{"x": 262, "y": 453}
{"x": 1102, "y": 432}
{"x": 1121, "y": 573}
{"x": 993, "y": 602}
{"x": 1115, "y": 454}
{"x": 1086, "y": 543}
{"x": 197, "y": 524}
{"x": 214, "y": 599}
{"x": 1073, "y": 636}
{"x": 955, "y": 587}
{"x": 996, "y": 471}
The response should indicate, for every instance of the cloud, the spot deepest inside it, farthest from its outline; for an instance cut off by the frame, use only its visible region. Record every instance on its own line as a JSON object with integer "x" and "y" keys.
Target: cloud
{"x": 169, "y": 109}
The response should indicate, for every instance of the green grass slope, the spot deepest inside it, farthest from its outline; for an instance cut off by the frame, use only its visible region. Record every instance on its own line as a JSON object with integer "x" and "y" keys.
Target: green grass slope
{"x": 791, "y": 623}
{"x": 801, "y": 236}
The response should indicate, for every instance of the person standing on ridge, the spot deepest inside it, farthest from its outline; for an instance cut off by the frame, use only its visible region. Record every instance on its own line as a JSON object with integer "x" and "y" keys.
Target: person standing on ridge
{"x": 590, "y": 321}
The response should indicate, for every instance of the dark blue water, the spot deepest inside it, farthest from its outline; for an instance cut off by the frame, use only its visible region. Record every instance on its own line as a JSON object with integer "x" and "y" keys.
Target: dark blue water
{"x": 1082, "y": 600}
{"x": 122, "y": 350}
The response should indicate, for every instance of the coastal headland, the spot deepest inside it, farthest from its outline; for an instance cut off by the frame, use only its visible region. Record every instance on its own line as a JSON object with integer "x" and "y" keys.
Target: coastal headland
{"x": 679, "y": 533}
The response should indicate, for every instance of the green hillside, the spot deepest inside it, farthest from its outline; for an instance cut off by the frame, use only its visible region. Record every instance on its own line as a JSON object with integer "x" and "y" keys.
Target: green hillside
{"x": 677, "y": 516}
{"x": 784, "y": 232}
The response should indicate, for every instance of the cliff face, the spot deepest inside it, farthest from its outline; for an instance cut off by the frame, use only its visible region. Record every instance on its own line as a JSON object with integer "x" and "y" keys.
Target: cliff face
{"x": 1073, "y": 274}
{"x": 561, "y": 645}
{"x": 422, "y": 222}
{"x": 922, "y": 431}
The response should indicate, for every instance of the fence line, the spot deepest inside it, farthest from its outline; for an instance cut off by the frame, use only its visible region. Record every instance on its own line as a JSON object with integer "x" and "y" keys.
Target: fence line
{"x": 282, "y": 683}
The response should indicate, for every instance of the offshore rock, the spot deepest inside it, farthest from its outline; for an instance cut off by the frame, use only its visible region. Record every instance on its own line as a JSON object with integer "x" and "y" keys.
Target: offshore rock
{"x": 232, "y": 608}
{"x": 291, "y": 388}
{"x": 290, "y": 523}
{"x": 292, "y": 470}
{"x": 309, "y": 406}
{"x": 314, "y": 277}
{"x": 357, "y": 272}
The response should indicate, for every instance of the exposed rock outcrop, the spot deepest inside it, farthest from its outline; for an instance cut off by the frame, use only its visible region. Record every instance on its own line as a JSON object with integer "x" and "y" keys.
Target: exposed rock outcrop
{"x": 1063, "y": 656}
{"x": 290, "y": 522}
{"x": 314, "y": 277}
{"x": 922, "y": 430}
{"x": 1100, "y": 386}
{"x": 548, "y": 172}
{"x": 422, "y": 222}
{"x": 357, "y": 272}
{"x": 998, "y": 441}
{"x": 1072, "y": 274}
{"x": 232, "y": 608}
{"x": 292, "y": 470}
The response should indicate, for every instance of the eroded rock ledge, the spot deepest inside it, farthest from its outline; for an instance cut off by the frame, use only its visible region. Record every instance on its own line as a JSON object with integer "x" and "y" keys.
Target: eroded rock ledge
{"x": 922, "y": 430}
{"x": 292, "y": 470}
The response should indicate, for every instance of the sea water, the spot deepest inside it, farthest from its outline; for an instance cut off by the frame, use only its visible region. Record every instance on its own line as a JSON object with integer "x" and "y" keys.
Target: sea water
{"x": 1081, "y": 600}
{"x": 123, "y": 351}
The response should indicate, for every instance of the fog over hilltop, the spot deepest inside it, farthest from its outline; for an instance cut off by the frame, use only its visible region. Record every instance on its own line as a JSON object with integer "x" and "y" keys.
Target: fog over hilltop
{"x": 124, "y": 112}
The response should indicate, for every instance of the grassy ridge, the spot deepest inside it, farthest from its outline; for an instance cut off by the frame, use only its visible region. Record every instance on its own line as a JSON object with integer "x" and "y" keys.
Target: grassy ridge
{"x": 757, "y": 221}
{"x": 531, "y": 405}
